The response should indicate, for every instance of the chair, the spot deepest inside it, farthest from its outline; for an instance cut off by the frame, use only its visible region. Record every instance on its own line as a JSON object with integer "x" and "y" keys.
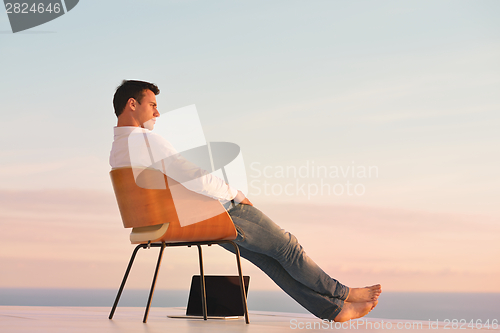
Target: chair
{"x": 145, "y": 201}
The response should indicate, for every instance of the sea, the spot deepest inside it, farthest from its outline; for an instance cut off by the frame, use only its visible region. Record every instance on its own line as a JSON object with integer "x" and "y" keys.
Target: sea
{"x": 392, "y": 305}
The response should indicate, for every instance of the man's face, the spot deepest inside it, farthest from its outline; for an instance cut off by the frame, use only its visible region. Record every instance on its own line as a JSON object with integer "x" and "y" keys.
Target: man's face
{"x": 146, "y": 111}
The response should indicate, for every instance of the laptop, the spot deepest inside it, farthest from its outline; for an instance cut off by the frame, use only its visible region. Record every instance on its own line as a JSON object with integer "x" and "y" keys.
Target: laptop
{"x": 223, "y": 297}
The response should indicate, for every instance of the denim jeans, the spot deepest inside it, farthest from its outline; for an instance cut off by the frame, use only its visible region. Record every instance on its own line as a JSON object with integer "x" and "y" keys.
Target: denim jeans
{"x": 278, "y": 254}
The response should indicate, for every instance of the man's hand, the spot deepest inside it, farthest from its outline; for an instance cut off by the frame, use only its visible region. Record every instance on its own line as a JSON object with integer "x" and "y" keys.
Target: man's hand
{"x": 240, "y": 198}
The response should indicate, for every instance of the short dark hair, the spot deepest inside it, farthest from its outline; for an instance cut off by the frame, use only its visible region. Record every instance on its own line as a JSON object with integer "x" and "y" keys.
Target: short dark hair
{"x": 131, "y": 89}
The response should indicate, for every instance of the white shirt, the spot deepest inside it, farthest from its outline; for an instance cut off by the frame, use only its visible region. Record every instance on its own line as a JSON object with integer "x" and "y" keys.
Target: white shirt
{"x": 139, "y": 147}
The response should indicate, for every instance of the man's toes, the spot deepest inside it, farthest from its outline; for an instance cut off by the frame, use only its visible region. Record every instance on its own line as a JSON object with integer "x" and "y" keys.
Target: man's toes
{"x": 374, "y": 288}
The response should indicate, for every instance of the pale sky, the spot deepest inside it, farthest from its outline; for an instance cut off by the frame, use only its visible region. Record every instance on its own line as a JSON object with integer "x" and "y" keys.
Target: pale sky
{"x": 409, "y": 88}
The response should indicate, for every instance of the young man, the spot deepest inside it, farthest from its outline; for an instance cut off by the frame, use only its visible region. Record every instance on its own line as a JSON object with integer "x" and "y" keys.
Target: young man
{"x": 275, "y": 251}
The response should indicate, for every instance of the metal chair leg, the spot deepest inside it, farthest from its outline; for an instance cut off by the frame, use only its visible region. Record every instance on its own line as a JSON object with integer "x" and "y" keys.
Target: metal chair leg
{"x": 202, "y": 281}
{"x": 131, "y": 261}
{"x": 202, "y": 277}
{"x": 242, "y": 283}
{"x": 154, "y": 282}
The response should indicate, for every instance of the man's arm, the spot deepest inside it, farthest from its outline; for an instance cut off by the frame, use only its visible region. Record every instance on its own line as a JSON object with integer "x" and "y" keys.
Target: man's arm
{"x": 190, "y": 175}
{"x": 150, "y": 150}
{"x": 201, "y": 181}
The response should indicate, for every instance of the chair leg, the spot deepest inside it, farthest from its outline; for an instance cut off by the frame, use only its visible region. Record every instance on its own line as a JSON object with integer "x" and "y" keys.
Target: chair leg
{"x": 154, "y": 282}
{"x": 242, "y": 283}
{"x": 131, "y": 261}
{"x": 202, "y": 281}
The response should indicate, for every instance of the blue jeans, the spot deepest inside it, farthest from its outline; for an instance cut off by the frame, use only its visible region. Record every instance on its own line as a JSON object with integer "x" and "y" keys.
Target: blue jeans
{"x": 278, "y": 254}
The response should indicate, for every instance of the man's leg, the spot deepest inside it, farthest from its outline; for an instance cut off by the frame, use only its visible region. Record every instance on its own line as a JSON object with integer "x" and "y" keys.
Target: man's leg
{"x": 321, "y": 306}
{"x": 260, "y": 235}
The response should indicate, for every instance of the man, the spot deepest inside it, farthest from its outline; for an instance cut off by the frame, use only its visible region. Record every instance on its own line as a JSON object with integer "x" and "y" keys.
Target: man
{"x": 260, "y": 240}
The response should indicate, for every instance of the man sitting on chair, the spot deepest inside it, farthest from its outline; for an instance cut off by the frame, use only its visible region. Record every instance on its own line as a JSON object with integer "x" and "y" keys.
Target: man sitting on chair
{"x": 275, "y": 251}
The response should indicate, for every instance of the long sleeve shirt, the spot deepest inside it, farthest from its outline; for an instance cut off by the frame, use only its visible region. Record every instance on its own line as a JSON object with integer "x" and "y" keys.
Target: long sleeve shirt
{"x": 139, "y": 147}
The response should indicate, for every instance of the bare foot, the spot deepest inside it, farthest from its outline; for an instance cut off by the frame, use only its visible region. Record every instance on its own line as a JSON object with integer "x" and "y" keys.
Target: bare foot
{"x": 365, "y": 294}
{"x": 355, "y": 310}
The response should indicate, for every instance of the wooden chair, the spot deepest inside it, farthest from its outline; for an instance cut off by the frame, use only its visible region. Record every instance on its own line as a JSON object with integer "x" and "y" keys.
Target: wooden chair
{"x": 145, "y": 201}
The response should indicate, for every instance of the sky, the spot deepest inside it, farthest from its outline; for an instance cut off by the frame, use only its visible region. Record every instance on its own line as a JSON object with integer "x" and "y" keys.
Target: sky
{"x": 368, "y": 129}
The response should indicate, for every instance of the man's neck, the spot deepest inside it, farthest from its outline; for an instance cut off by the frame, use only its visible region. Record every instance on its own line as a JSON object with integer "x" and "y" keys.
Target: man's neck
{"x": 125, "y": 121}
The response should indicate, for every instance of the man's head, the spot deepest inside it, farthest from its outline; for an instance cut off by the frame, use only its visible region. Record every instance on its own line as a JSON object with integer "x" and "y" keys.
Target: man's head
{"x": 135, "y": 104}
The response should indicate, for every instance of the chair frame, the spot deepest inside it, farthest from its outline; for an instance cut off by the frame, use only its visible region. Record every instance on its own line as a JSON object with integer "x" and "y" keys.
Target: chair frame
{"x": 162, "y": 246}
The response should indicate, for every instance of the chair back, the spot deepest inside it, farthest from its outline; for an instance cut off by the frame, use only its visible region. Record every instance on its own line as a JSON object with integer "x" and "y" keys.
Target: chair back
{"x": 147, "y": 197}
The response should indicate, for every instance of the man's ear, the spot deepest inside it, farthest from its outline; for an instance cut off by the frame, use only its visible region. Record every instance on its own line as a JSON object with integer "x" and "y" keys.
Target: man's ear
{"x": 131, "y": 103}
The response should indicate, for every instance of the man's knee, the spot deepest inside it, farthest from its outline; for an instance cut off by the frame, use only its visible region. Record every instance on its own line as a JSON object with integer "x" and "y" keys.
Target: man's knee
{"x": 292, "y": 248}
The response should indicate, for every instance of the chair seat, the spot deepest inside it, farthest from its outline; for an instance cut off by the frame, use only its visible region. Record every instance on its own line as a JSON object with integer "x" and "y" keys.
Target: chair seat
{"x": 148, "y": 234}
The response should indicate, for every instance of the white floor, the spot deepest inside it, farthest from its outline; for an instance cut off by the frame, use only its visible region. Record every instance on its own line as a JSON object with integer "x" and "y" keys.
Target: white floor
{"x": 17, "y": 319}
